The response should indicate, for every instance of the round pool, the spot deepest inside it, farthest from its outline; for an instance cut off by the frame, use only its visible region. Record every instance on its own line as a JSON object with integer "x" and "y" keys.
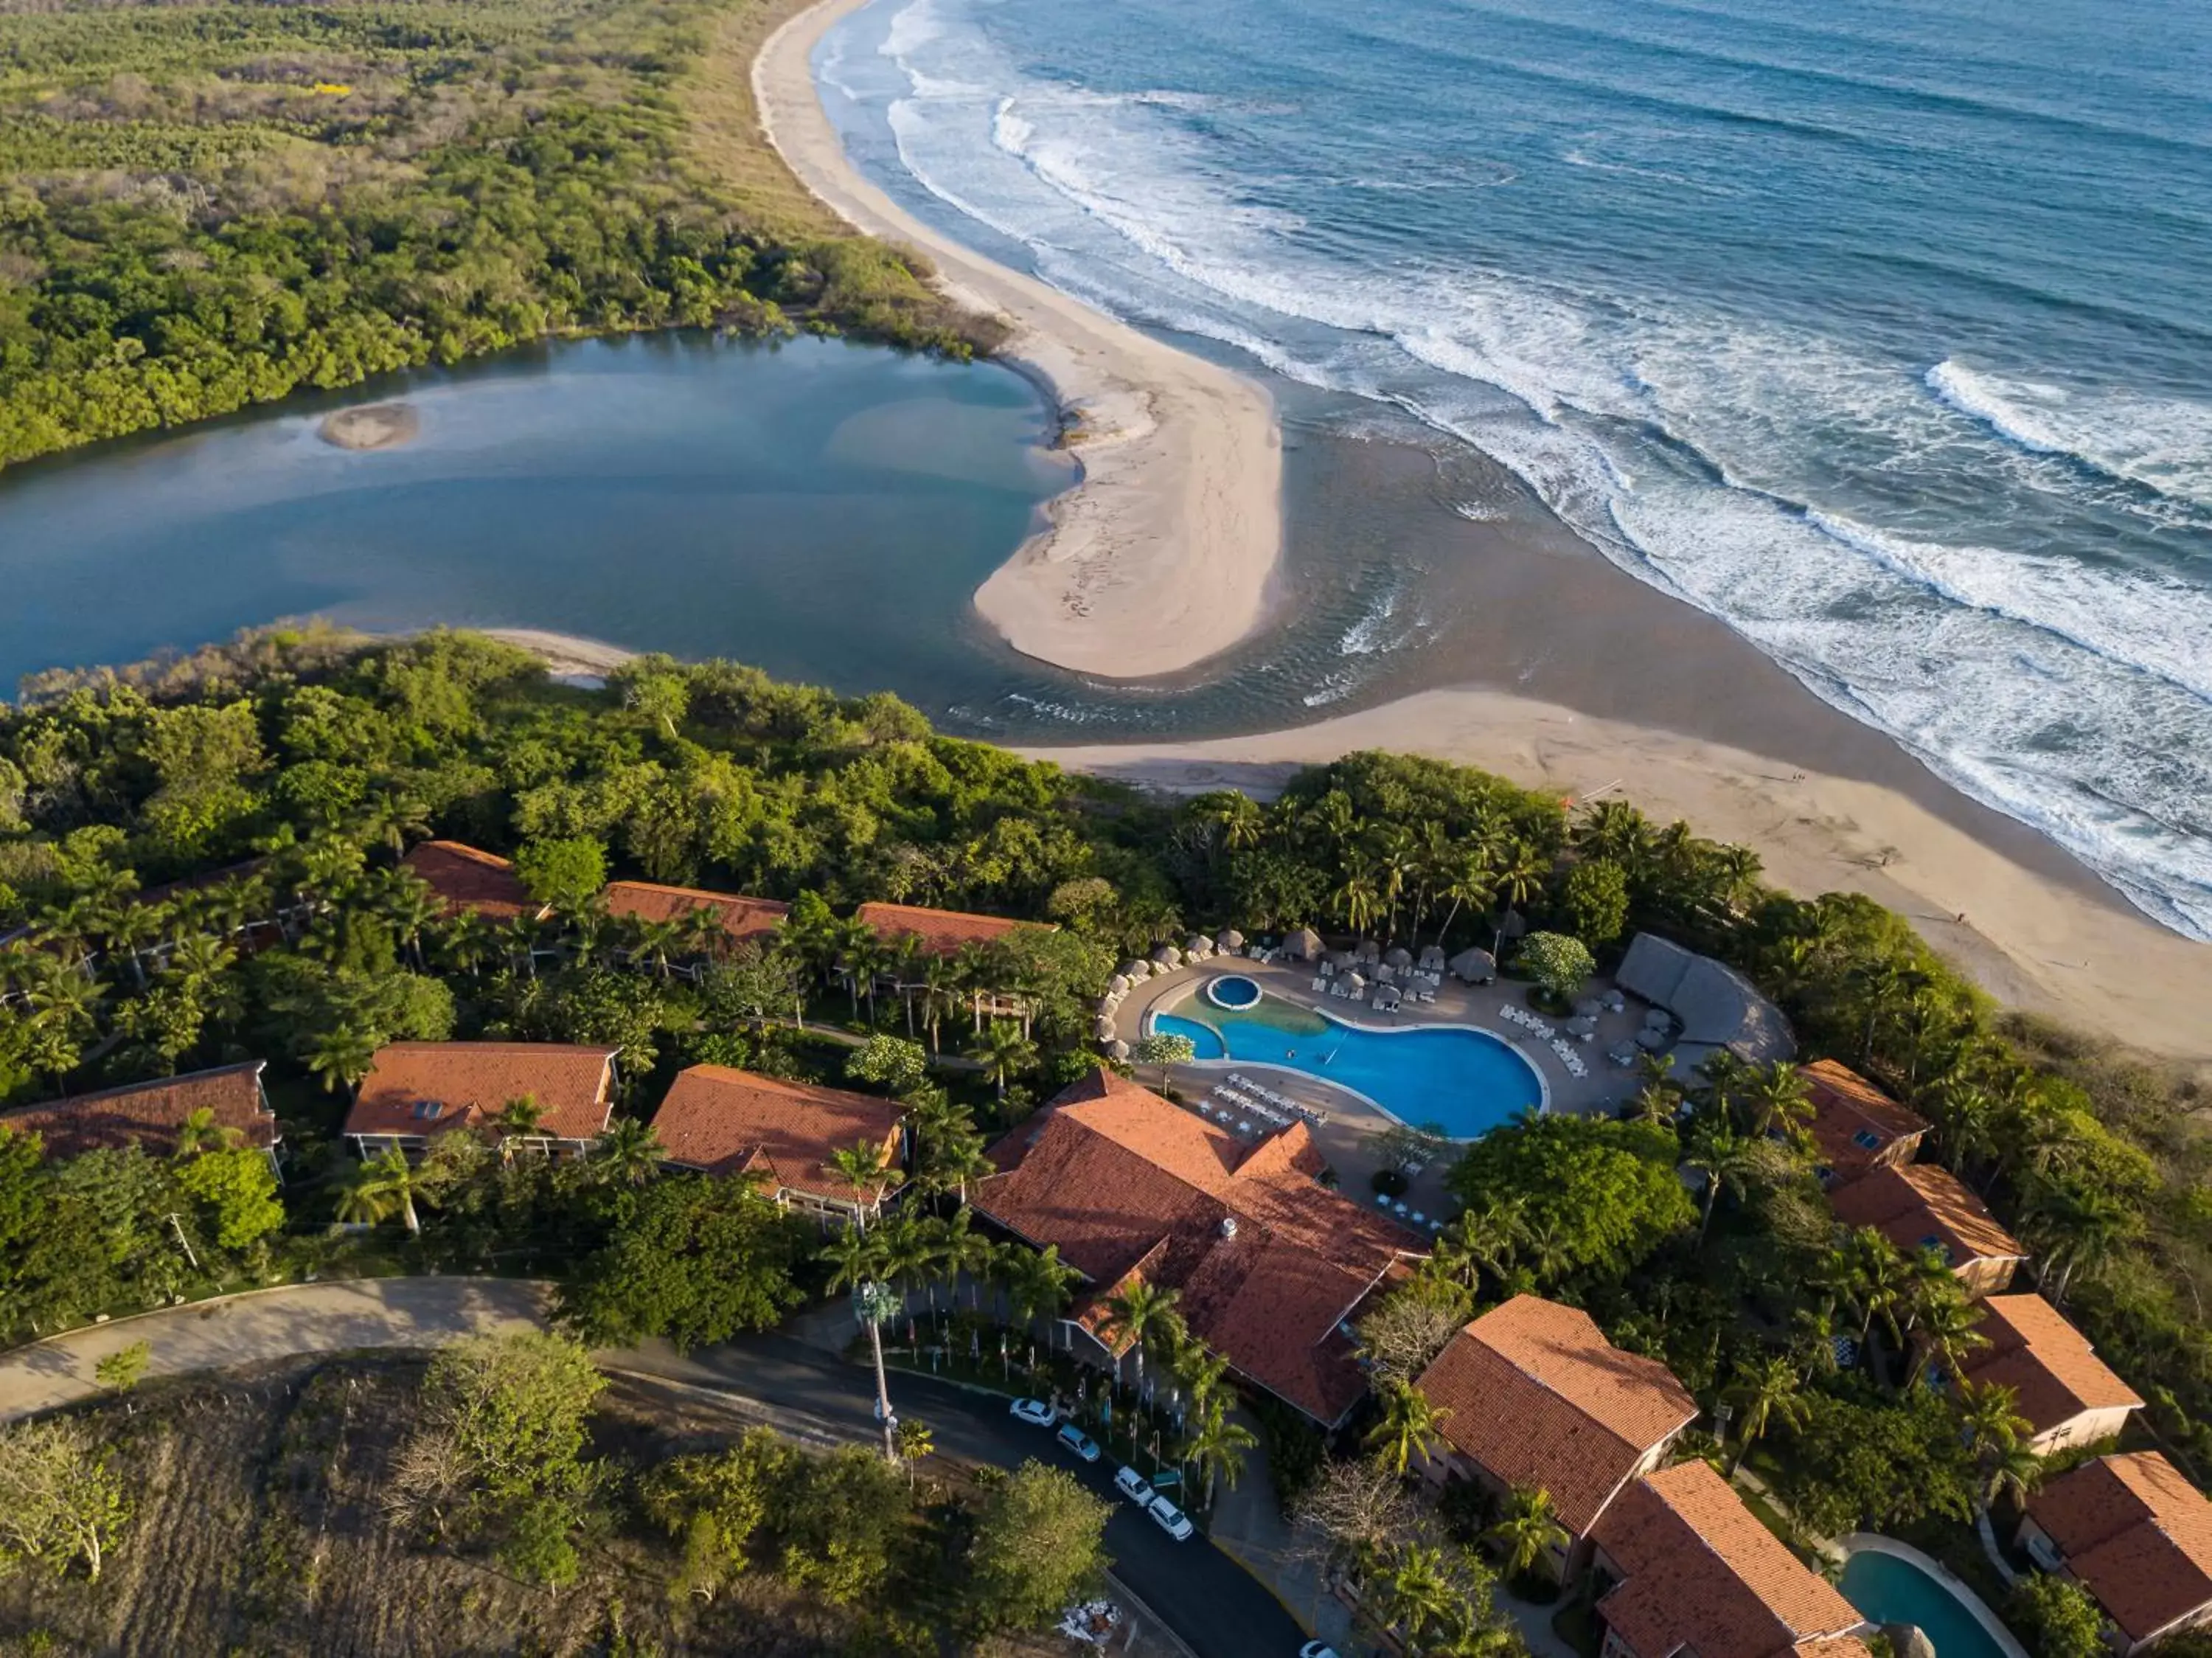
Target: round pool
{"x": 1232, "y": 990}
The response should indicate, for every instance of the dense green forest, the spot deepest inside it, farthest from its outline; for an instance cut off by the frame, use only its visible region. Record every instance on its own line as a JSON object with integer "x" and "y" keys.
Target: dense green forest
{"x": 294, "y": 769}
{"x": 206, "y": 206}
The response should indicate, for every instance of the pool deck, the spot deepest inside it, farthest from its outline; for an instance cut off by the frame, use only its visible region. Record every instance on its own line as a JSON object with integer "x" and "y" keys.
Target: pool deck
{"x": 1347, "y": 1139}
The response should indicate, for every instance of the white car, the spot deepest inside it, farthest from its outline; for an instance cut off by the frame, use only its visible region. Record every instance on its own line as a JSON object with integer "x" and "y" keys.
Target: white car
{"x": 1035, "y": 1411}
{"x": 1171, "y": 1519}
{"x": 1075, "y": 1439}
{"x": 1133, "y": 1485}
{"x": 1316, "y": 1649}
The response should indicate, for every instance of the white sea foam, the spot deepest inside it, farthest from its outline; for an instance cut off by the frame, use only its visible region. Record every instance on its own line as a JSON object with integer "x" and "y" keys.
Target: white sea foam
{"x": 2165, "y": 444}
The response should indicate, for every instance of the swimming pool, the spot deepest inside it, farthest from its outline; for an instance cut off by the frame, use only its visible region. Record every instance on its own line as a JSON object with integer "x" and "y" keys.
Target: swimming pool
{"x": 1232, "y": 990}
{"x": 1464, "y": 1081}
{"x": 1890, "y": 1589}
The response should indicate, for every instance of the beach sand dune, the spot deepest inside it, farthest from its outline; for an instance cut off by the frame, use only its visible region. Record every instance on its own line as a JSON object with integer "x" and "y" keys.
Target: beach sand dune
{"x": 2070, "y": 949}
{"x": 1163, "y": 554}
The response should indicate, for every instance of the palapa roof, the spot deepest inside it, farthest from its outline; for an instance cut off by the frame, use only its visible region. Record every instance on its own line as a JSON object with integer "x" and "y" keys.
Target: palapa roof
{"x": 2137, "y": 1534}
{"x": 1848, "y": 1112}
{"x": 741, "y": 917}
{"x": 1700, "y": 1573}
{"x": 938, "y": 932}
{"x": 1717, "y": 1006}
{"x": 1539, "y": 1397}
{"x": 1920, "y": 1206}
{"x": 425, "y": 1088}
{"x": 149, "y": 1114}
{"x": 2053, "y": 1371}
{"x": 1267, "y": 1263}
{"x": 464, "y": 878}
{"x": 736, "y": 1122}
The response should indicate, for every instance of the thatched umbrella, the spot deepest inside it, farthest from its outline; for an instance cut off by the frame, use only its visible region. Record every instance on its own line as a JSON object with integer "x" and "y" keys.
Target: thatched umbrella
{"x": 1475, "y": 967}
{"x": 1304, "y": 944}
{"x": 1354, "y": 985}
{"x": 1118, "y": 985}
{"x": 1230, "y": 939}
{"x": 1197, "y": 947}
{"x": 1167, "y": 959}
{"x": 1432, "y": 959}
{"x": 1117, "y": 1049}
{"x": 1369, "y": 950}
{"x": 1400, "y": 958}
{"x": 1134, "y": 971}
{"x": 1103, "y": 1029}
{"x": 1652, "y": 1038}
{"x": 1341, "y": 960}
{"x": 1588, "y": 1008}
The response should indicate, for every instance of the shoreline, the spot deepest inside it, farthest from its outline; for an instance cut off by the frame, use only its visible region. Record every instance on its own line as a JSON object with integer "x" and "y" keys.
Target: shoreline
{"x": 1165, "y": 551}
{"x": 2065, "y": 948}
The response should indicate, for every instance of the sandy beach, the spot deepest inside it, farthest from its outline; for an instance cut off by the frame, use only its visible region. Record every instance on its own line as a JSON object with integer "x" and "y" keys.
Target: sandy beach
{"x": 374, "y": 426}
{"x": 2035, "y": 938}
{"x": 1163, "y": 553}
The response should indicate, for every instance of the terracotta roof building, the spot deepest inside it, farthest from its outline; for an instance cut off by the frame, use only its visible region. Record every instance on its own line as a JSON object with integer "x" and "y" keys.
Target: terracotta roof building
{"x": 465, "y": 879}
{"x": 742, "y": 918}
{"x": 1699, "y": 1575}
{"x": 1922, "y": 1207}
{"x": 1270, "y": 1266}
{"x": 1537, "y": 1396}
{"x": 2136, "y": 1535}
{"x": 935, "y": 932}
{"x": 416, "y": 1090}
{"x": 149, "y": 1114}
{"x": 733, "y": 1122}
{"x": 1856, "y": 1126}
{"x": 2064, "y": 1390}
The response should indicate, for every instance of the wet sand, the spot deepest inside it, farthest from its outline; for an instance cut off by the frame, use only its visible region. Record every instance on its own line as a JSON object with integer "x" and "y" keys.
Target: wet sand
{"x": 377, "y": 426}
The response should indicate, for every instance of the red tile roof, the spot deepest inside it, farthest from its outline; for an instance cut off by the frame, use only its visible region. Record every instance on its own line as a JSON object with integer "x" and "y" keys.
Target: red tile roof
{"x": 2045, "y": 1361}
{"x": 2137, "y": 1534}
{"x": 1700, "y": 1572}
{"x": 426, "y": 1087}
{"x": 741, "y": 917}
{"x": 939, "y": 932}
{"x": 1266, "y": 1261}
{"x": 467, "y": 878}
{"x": 1539, "y": 1397}
{"x": 1845, "y": 1107}
{"x": 150, "y": 1113}
{"x": 733, "y": 1122}
{"x": 1920, "y": 1204}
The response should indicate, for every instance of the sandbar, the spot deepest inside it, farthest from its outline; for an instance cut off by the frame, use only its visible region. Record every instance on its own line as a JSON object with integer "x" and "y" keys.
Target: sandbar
{"x": 1162, "y": 552}
{"x": 372, "y": 426}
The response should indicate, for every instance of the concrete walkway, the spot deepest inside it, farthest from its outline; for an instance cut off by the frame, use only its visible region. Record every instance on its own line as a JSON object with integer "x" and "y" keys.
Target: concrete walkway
{"x": 262, "y": 1324}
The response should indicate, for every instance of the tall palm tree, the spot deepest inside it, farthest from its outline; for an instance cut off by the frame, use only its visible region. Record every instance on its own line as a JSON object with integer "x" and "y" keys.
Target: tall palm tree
{"x": 1725, "y": 1158}
{"x": 1944, "y": 1325}
{"x": 856, "y": 1261}
{"x": 1134, "y": 1316}
{"x": 961, "y": 1248}
{"x": 1765, "y": 1392}
{"x": 1778, "y": 1100}
{"x": 386, "y": 1184}
{"x": 342, "y": 1055}
{"x": 914, "y": 1441}
{"x": 1038, "y": 1282}
{"x": 1484, "y": 1239}
{"x": 628, "y": 1154}
{"x": 1003, "y": 1050}
{"x": 1529, "y": 1529}
{"x": 1218, "y": 1445}
{"x": 1409, "y": 1425}
{"x": 200, "y": 1132}
{"x": 1989, "y": 1416}
{"x": 1415, "y": 1594}
{"x": 863, "y": 1167}
{"x": 1467, "y": 882}
{"x": 518, "y": 1119}
{"x": 1517, "y": 879}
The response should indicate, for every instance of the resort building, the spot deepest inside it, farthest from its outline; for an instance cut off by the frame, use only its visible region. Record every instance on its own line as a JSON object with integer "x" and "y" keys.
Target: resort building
{"x": 415, "y": 1091}
{"x": 740, "y": 920}
{"x": 149, "y": 1114}
{"x": 1856, "y": 1126}
{"x": 466, "y": 879}
{"x": 2063, "y": 1388}
{"x": 1715, "y": 1006}
{"x": 942, "y": 935}
{"x": 1922, "y": 1207}
{"x": 727, "y": 1122}
{"x": 2135, "y": 1534}
{"x": 1693, "y": 1573}
{"x": 1536, "y": 1396}
{"x": 1270, "y": 1266}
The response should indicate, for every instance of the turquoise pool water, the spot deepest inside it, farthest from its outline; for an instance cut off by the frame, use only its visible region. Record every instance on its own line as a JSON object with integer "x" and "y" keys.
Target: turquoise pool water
{"x": 1232, "y": 990}
{"x": 1893, "y": 1591}
{"x": 1464, "y": 1080}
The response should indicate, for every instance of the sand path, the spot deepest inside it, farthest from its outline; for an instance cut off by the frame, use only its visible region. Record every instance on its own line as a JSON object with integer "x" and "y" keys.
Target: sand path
{"x": 1162, "y": 555}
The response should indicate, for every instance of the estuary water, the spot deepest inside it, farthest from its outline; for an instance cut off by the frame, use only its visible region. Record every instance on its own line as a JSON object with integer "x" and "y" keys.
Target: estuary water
{"x": 1879, "y": 330}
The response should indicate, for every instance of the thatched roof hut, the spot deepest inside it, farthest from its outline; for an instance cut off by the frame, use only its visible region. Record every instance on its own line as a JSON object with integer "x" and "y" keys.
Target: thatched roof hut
{"x": 1475, "y": 967}
{"x": 1304, "y": 944}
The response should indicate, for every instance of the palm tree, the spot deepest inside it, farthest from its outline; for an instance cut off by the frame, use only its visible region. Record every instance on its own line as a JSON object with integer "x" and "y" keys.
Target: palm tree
{"x": 1875, "y": 1277}
{"x": 857, "y": 1262}
{"x": 1725, "y": 1159}
{"x": 863, "y": 1167}
{"x": 914, "y": 1441}
{"x": 1520, "y": 877}
{"x": 1779, "y": 1101}
{"x": 200, "y": 1132}
{"x": 953, "y": 1155}
{"x": 1415, "y": 1594}
{"x": 1989, "y": 1416}
{"x": 1002, "y": 1050}
{"x": 1468, "y": 882}
{"x": 342, "y": 1055}
{"x": 628, "y": 1154}
{"x": 1484, "y": 1239}
{"x": 1038, "y": 1282}
{"x": 1764, "y": 1393}
{"x": 1944, "y": 1323}
{"x": 1529, "y": 1528}
{"x": 1218, "y": 1447}
{"x": 1140, "y": 1314}
{"x": 518, "y": 1119}
{"x": 1409, "y": 1424}
{"x": 961, "y": 1248}
{"x": 386, "y": 1184}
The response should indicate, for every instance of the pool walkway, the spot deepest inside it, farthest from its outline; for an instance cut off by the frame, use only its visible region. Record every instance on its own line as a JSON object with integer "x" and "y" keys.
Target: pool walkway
{"x": 1347, "y": 1139}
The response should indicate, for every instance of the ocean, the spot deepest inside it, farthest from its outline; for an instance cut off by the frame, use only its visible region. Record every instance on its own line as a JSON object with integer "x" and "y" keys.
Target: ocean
{"x": 1880, "y": 332}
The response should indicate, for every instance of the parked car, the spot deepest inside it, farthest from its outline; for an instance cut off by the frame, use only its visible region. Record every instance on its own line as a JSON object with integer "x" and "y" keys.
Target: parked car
{"x": 1316, "y": 1649}
{"x": 1078, "y": 1441}
{"x": 1035, "y": 1411}
{"x": 1133, "y": 1485}
{"x": 1171, "y": 1519}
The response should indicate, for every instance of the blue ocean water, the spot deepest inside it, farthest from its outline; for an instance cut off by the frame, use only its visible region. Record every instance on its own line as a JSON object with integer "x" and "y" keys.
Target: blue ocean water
{"x": 1880, "y": 329}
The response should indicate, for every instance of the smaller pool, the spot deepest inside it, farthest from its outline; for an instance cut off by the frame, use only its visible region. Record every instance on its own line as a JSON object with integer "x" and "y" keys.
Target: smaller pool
{"x": 1232, "y": 990}
{"x": 1890, "y": 1589}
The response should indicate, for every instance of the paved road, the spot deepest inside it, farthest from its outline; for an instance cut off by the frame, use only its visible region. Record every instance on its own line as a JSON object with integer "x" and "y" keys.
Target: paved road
{"x": 1216, "y": 1607}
